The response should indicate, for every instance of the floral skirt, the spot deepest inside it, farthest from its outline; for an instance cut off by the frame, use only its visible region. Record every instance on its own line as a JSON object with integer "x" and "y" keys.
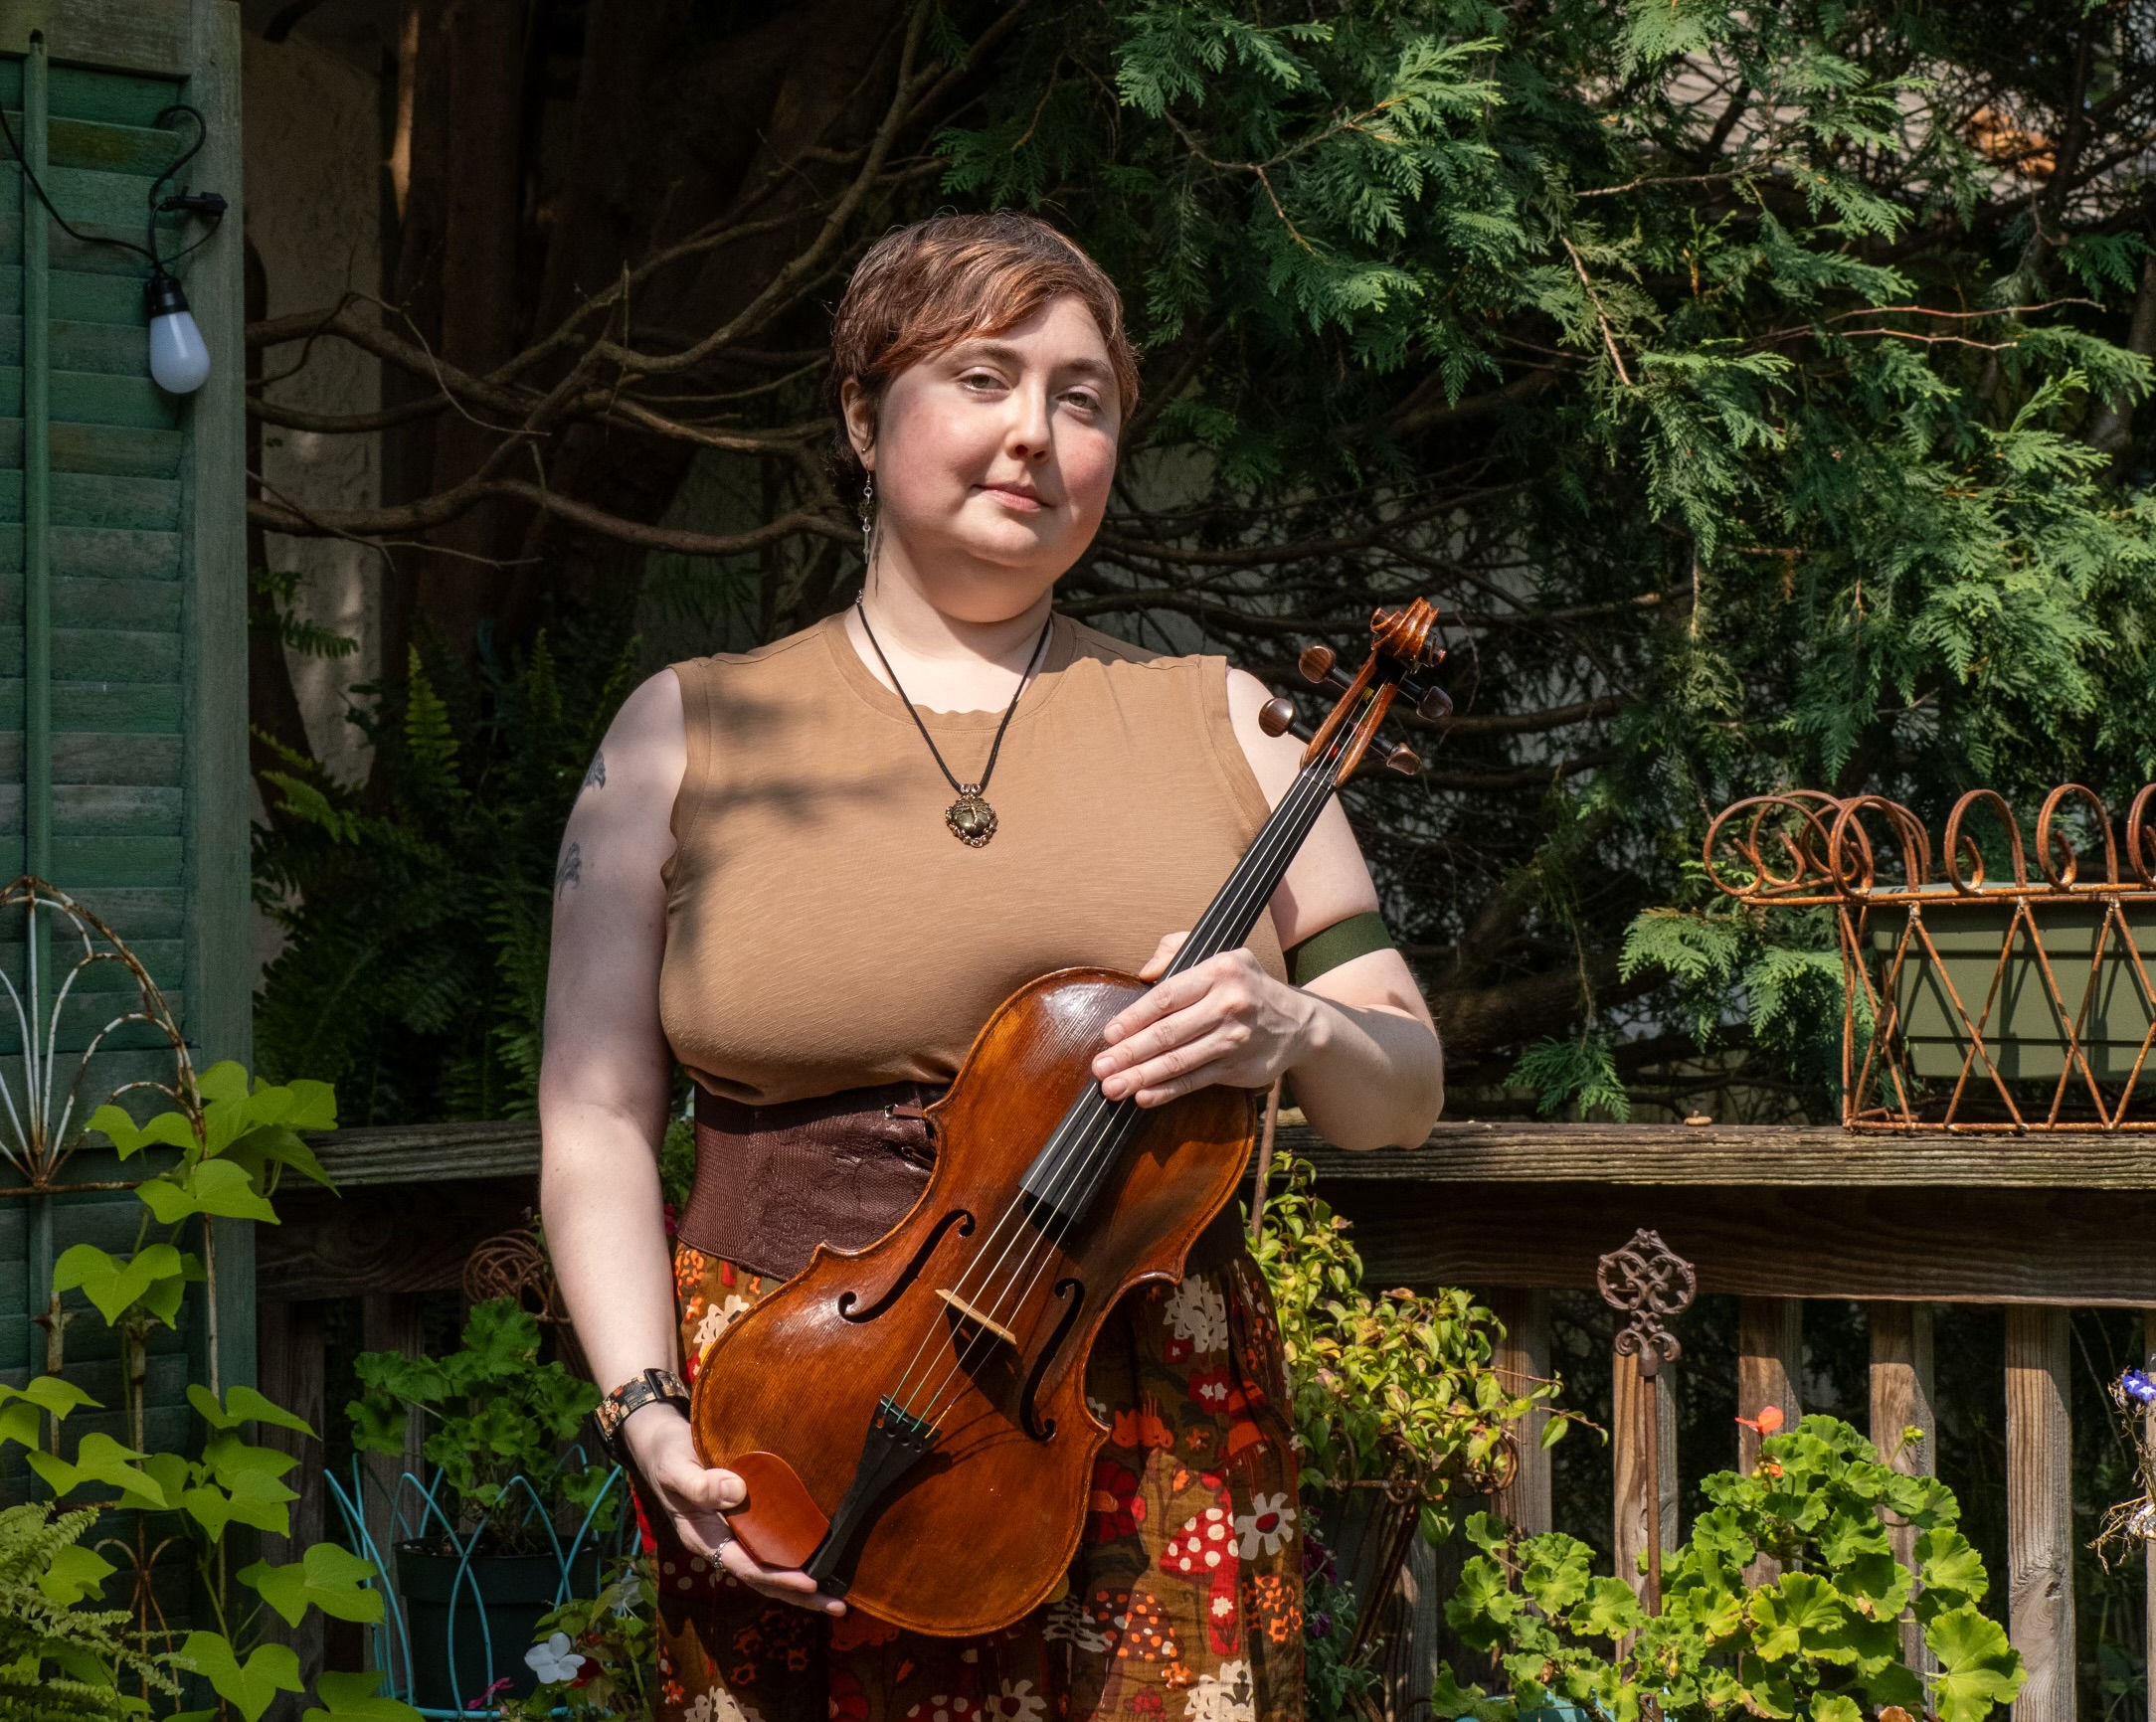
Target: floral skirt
{"x": 1185, "y": 1600}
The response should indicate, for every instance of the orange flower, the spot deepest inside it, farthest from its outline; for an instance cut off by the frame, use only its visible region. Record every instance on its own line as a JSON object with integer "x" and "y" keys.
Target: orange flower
{"x": 1766, "y": 1423}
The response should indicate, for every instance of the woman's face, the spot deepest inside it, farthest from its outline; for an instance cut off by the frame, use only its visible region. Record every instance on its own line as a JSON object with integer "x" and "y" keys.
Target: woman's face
{"x": 992, "y": 462}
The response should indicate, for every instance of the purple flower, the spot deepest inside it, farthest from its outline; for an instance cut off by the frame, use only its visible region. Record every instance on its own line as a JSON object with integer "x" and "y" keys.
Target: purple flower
{"x": 1317, "y": 1560}
{"x": 1317, "y": 1626}
{"x": 2137, "y": 1387}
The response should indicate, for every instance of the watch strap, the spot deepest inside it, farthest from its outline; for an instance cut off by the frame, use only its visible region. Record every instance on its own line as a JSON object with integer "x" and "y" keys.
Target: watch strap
{"x": 632, "y": 1396}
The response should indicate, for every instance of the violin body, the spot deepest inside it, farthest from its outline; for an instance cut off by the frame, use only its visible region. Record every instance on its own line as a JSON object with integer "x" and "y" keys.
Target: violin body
{"x": 981, "y": 1527}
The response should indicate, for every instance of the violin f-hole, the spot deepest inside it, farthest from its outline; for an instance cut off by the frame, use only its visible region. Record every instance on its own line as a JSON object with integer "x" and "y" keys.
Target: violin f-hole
{"x": 1038, "y": 1427}
{"x": 957, "y": 1217}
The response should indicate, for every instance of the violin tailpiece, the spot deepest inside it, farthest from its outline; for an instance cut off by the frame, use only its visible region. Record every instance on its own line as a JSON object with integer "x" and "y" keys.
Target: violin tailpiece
{"x": 896, "y": 1437}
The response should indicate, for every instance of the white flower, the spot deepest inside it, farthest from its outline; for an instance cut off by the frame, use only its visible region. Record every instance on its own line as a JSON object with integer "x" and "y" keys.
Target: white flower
{"x": 1198, "y": 1313}
{"x": 1269, "y": 1523}
{"x": 698, "y": 1709}
{"x": 1017, "y": 1703}
{"x": 1222, "y": 1698}
{"x": 553, "y": 1661}
{"x": 719, "y": 1318}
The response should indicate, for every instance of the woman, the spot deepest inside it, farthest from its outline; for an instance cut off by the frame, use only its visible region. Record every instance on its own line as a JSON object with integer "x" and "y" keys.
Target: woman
{"x": 808, "y": 873}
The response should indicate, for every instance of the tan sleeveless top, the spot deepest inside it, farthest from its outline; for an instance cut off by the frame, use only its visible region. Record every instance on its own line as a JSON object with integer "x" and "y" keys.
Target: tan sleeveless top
{"x": 824, "y": 931}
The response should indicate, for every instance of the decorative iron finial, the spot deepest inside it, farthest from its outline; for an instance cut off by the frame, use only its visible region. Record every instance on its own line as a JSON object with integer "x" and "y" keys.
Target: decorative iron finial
{"x": 1646, "y": 1280}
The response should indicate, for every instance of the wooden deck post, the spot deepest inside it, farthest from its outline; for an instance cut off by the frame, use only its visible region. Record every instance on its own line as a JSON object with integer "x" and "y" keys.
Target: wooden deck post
{"x": 1769, "y": 1364}
{"x": 1901, "y": 1400}
{"x": 2039, "y": 1509}
{"x": 1523, "y": 1353}
{"x": 1632, "y": 1493}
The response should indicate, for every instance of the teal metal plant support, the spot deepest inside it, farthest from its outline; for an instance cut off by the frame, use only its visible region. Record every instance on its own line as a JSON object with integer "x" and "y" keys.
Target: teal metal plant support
{"x": 414, "y": 1516}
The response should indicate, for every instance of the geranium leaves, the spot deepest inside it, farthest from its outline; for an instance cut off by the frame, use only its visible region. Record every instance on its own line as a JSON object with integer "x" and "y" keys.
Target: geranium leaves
{"x": 1977, "y": 1667}
{"x": 1823, "y": 1641}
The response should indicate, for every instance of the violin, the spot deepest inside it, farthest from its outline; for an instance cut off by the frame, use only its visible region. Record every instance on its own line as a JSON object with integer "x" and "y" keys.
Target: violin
{"x": 909, "y": 1418}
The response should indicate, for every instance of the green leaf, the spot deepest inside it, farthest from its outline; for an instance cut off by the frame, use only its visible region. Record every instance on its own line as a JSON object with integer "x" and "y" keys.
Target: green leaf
{"x": 251, "y": 1687}
{"x": 252, "y": 1498}
{"x": 112, "y": 1285}
{"x": 98, "y": 1458}
{"x": 1978, "y": 1668}
{"x": 327, "y": 1577}
{"x": 169, "y": 1129}
{"x": 243, "y": 1405}
{"x": 1946, "y": 1561}
{"x": 74, "y": 1573}
{"x": 1801, "y": 1615}
{"x": 1836, "y": 1707}
{"x": 1610, "y": 1611}
{"x": 352, "y": 1698}
{"x": 209, "y": 1188}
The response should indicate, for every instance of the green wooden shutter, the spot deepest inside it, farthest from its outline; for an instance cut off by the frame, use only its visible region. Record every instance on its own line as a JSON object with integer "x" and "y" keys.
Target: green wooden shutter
{"x": 122, "y": 618}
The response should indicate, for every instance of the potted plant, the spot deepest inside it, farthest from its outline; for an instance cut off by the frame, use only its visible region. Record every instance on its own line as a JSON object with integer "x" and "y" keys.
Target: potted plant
{"x": 513, "y": 1507}
{"x": 1396, "y": 1401}
{"x": 1824, "y": 1641}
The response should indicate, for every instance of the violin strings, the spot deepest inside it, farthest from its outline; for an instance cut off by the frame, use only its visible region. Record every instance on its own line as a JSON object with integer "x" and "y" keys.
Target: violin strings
{"x": 1082, "y": 1156}
{"x": 1291, "y": 831}
{"x": 1299, "y": 807}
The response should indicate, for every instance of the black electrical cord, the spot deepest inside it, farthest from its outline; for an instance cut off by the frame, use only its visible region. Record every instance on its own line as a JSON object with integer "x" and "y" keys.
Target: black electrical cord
{"x": 206, "y": 204}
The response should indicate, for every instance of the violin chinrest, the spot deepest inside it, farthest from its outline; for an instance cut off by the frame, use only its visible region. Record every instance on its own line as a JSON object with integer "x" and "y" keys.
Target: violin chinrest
{"x": 779, "y": 1523}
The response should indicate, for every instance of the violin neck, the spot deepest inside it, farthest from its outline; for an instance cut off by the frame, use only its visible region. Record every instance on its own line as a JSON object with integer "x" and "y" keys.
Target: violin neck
{"x": 1234, "y": 911}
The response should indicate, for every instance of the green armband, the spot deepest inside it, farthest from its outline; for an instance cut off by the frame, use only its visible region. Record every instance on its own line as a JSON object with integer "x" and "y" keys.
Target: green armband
{"x": 1343, "y": 942}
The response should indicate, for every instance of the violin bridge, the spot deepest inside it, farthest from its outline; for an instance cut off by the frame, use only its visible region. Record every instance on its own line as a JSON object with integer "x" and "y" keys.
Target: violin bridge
{"x": 969, "y": 1314}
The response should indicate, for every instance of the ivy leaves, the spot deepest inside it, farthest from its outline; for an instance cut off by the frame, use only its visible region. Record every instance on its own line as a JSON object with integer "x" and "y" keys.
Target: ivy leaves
{"x": 1823, "y": 1641}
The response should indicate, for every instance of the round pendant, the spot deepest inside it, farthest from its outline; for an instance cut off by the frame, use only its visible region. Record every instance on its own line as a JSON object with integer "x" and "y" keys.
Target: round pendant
{"x": 972, "y": 821}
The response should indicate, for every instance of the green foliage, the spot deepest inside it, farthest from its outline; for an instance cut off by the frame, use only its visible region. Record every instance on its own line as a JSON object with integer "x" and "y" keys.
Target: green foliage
{"x": 615, "y": 1634}
{"x": 495, "y": 1413}
{"x": 59, "y": 1660}
{"x": 1396, "y": 1385}
{"x": 417, "y": 907}
{"x": 1759, "y": 425}
{"x": 235, "y": 1140}
{"x": 1823, "y": 1639}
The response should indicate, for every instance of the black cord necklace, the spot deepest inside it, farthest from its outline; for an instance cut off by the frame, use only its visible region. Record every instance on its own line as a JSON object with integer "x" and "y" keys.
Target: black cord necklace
{"x": 970, "y": 818}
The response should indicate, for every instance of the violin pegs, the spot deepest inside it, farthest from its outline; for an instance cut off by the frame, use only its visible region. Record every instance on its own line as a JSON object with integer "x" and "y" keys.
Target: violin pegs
{"x": 1405, "y": 760}
{"x": 1317, "y": 664}
{"x": 1434, "y": 706}
{"x": 1278, "y": 717}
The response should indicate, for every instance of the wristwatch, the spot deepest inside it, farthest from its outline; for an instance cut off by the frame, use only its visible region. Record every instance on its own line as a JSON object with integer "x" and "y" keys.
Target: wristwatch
{"x": 632, "y": 1396}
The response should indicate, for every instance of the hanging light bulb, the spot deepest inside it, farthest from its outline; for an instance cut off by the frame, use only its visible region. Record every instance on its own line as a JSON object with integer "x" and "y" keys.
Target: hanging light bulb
{"x": 179, "y": 362}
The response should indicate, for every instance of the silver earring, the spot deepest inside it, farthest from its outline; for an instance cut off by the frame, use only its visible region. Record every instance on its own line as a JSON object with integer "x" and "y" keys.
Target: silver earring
{"x": 868, "y": 517}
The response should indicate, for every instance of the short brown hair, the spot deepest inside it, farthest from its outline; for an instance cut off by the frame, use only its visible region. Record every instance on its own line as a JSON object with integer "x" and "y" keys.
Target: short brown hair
{"x": 922, "y": 289}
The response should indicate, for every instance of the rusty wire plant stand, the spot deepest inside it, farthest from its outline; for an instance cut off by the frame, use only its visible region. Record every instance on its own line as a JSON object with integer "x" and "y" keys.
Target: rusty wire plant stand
{"x": 1975, "y": 998}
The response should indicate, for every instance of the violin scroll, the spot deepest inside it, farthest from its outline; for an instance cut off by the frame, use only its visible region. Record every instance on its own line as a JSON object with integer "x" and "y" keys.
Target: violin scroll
{"x": 1403, "y": 662}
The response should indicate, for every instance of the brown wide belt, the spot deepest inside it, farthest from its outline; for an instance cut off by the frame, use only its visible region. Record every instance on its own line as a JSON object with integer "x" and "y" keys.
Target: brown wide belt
{"x": 774, "y": 1182}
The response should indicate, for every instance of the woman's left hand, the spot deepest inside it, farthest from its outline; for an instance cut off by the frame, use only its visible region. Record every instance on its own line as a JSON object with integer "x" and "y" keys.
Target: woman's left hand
{"x": 1225, "y": 1021}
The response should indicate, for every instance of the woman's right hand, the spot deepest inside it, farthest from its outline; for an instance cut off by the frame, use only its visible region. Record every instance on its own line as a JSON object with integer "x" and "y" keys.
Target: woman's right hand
{"x": 696, "y": 1498}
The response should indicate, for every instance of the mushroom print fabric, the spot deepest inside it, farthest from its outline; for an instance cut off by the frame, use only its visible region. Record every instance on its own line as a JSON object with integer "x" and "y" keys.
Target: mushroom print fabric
{"x": 1185, "y": 1600}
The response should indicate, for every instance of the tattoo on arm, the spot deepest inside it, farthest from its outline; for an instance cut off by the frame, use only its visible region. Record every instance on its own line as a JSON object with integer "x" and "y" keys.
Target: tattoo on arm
{"x": 570, "y": 871}
{"x": 596, "y": 777}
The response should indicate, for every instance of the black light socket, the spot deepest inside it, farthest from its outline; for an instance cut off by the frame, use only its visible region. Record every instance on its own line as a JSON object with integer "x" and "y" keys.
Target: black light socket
{"x": 163, "y": 295}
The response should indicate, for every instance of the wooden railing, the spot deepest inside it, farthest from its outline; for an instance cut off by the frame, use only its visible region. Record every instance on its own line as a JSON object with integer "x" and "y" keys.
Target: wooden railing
{"x": 1773, "y": 1216}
